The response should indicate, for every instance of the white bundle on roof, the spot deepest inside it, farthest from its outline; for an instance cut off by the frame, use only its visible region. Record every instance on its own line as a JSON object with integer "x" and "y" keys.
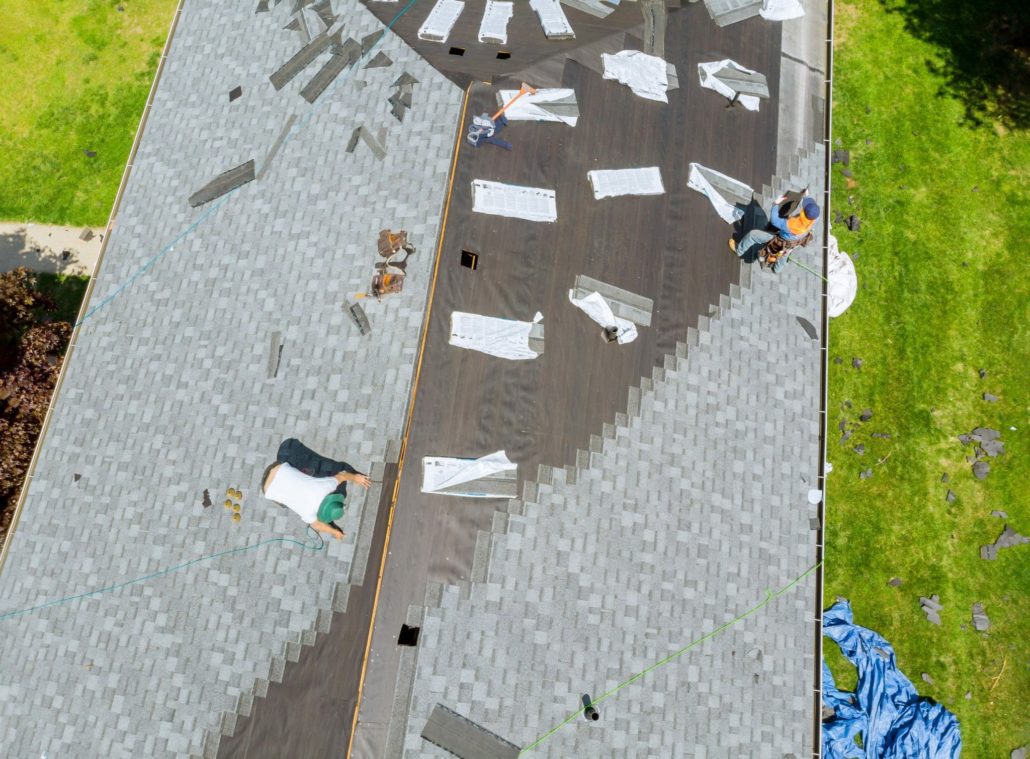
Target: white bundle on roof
{"x": 440, "y": 21}
{"x": 552, "y": 19}
{"x": 647, "y": 75}
{"x": 494, "y": 26}
{"x": 529, "y": 203}
{"x": 609, "y": 183}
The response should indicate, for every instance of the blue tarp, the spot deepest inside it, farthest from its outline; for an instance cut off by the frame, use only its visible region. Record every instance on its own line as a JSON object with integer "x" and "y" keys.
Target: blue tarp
{"x": 894, "y": 722}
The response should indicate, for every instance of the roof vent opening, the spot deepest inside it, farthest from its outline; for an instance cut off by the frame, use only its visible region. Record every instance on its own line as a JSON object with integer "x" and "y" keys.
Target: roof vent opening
{"x": 457, "y": 51}
{"x": 503, "y": 55}
{"x": 469, "y": 259}
{"x": 408, "y": 636}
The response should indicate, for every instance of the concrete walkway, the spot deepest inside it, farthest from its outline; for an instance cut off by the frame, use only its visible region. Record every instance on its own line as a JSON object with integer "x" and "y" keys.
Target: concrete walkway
{"x": 50, "y": 249}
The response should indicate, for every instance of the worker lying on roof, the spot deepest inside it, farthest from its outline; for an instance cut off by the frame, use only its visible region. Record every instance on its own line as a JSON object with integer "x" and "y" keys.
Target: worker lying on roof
{"x": 791, "y": 219}
{"x": 319, "y": 501}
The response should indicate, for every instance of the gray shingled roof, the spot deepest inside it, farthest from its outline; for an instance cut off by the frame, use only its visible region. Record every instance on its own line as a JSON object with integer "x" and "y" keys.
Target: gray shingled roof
{"x": 167, "y": 392}
{"x": 690, "y": 510}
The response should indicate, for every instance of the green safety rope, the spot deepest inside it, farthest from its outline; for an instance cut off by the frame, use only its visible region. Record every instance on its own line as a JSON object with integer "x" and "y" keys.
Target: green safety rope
{"x": 769, "y": 596}
{"x": 160, "y": 573}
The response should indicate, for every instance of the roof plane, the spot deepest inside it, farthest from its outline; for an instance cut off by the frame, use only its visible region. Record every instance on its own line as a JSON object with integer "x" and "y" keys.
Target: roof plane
{"x": 662, "y": 487}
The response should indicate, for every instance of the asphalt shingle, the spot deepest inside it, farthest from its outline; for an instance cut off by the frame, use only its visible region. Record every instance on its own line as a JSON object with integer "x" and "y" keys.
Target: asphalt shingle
{"x": 168, "y": 393}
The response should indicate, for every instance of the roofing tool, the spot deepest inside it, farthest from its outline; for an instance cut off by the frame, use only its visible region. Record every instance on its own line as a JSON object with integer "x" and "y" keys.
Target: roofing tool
{"x": 484, "y": 128}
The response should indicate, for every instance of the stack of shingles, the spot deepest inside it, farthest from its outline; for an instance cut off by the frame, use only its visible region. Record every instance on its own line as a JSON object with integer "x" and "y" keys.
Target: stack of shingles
{"x": 932, "y": 608}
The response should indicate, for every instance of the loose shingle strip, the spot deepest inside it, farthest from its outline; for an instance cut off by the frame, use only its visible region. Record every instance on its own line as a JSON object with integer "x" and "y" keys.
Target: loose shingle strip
{"x": 343, "y": 56}
{"x": 299, "y": 61}
{"x": 223, "y": 183}
{"x": 274, "y": 150}
{"x": 464, "y": 738}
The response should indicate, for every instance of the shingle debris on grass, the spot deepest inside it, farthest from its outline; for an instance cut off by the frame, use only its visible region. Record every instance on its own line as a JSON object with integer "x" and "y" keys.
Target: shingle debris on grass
{"x": 894, "y": 582}
{"x": 1009, "y": 538}
{"x": 866, "y": 415}
{"x": 982, "y": 372}
{"x": 1000, "y": 514}
{"x": 944, "y": 477}
{"x": 841, "y": 156}
{"x": 853, "y": 223}
{"x": 980, "y": 620}
{"x": 865, "y": 474}
{"x": 983, "y": 434}
{"x": 860, "y": 449}
{"x": 856, "y": 363}
{"x": 950, "y": 497}
{"x": 881, "y": 435}
{"x": 932, "y": 608}
{"x": 990, "y": 398}
{"x": 981, "y": 469}
{"x": 927, "y": 679}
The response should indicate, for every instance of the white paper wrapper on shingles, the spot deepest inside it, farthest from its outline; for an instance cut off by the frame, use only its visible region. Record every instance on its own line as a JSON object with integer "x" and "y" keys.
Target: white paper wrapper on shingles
{"x": 781, "y": 10}
{"x": 729, "y": 212}
{"x": 529, "y": 107}
{"x": 597, "y": 308}
{"x": 647, "y": 75}
{"x": 442, "y": 473}
{"x": 504, "y": 338}
{"x": 709, "y": 74}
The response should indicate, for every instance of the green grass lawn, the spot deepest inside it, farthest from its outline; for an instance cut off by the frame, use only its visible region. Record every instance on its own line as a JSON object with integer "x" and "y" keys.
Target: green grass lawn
{"x": 76, "y": 75}
{"x": 942, "y": 260}
{"x": 67, "y": 292}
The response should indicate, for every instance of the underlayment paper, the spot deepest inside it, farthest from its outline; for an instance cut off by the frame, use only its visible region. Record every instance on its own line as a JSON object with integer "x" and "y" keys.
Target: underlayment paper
{"x": 533, "y": 107}
{"x": 440, "y": 473}
{"x": 709, "y": 73}
{"x": 504, "y": 338}
{"x": 597, "y": 308}
{"x": 843, "y": 280}
{"x": 729, "y": 212}
{"x": 609, "y": 183}
{"x": 647, "y": 75}
{"x": 443, "y": 17}
{"x": 781, "y": 10}
{"x": 494, "y": 26}
{"x": 529, "y": 203}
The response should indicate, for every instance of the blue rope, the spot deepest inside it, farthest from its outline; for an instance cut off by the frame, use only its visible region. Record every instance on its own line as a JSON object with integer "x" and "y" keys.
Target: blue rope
{"x": 208, "y": 213}
{"x": 169, "y": 570}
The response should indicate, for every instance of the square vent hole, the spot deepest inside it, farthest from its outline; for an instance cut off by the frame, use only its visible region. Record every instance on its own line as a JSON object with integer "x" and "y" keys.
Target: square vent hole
{"x": 408, "y": 636}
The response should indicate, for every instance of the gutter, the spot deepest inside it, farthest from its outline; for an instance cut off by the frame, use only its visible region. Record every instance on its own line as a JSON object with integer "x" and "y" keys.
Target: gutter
{"x": 824, "y": 348}
{"x": 112, "y": 217}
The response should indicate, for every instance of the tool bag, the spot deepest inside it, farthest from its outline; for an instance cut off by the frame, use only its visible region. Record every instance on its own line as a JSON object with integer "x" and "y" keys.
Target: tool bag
{"x": 389, "y": 274}
{"x": 778, "y": 248}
